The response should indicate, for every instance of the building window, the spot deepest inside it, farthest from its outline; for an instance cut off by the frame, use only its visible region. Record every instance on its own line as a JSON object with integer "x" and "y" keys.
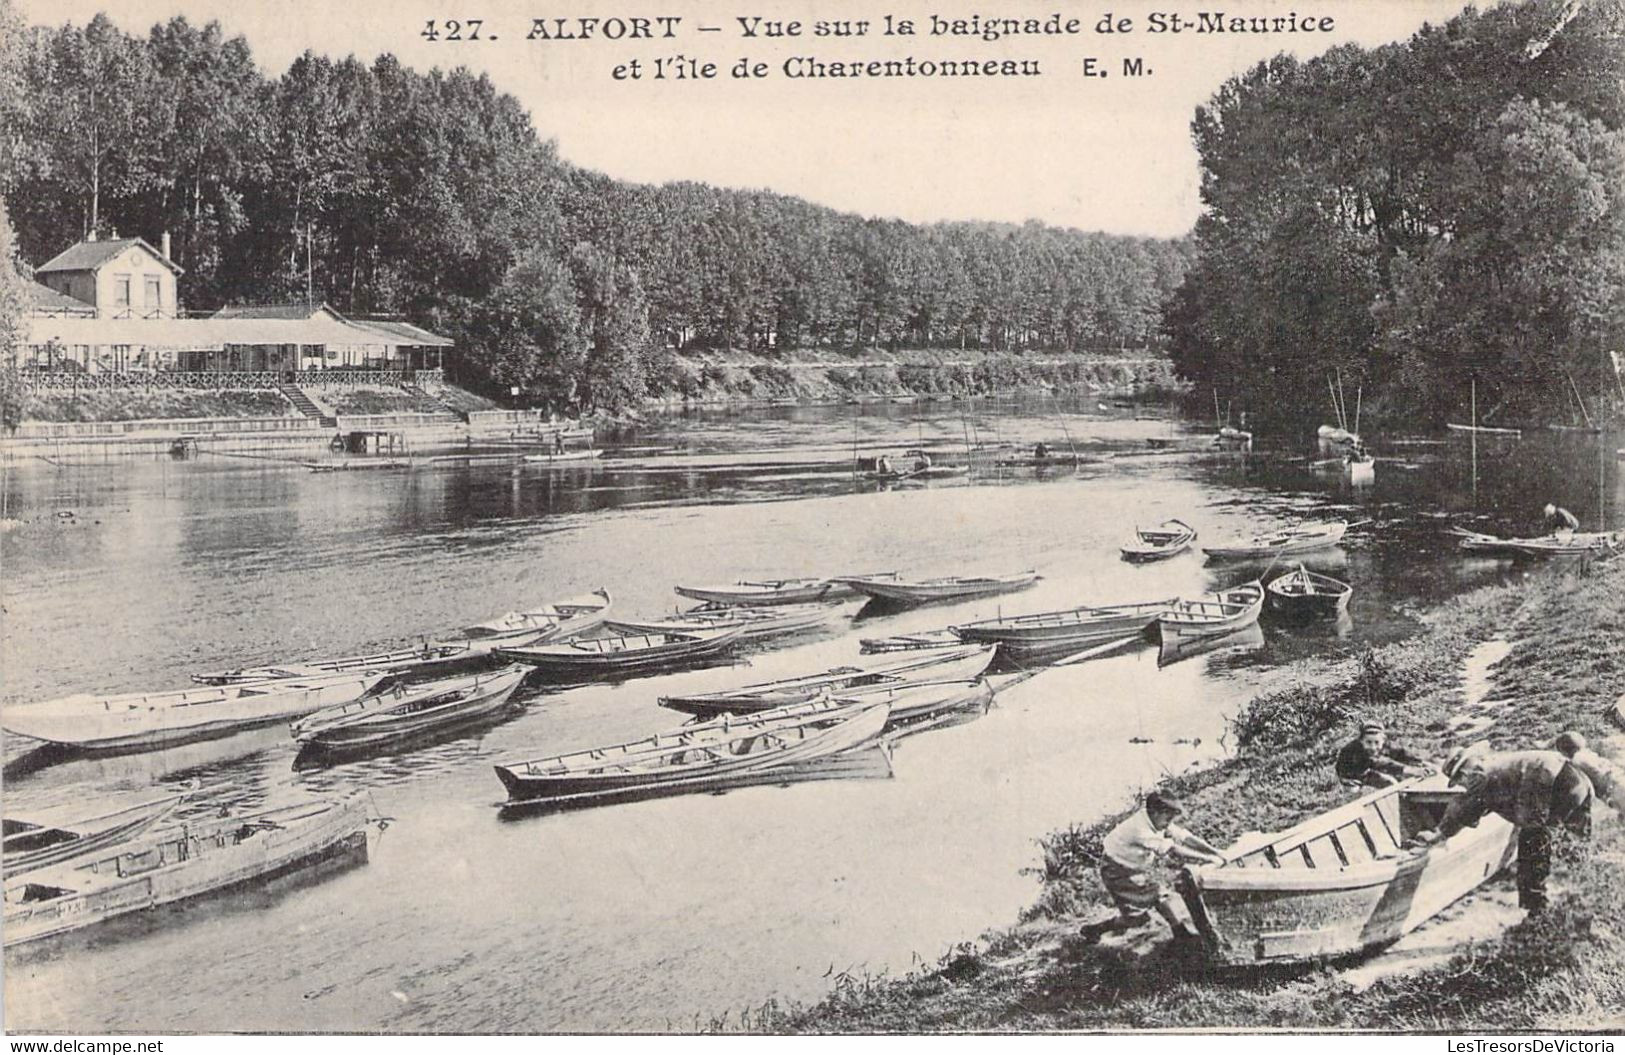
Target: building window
{"x": 154, "y": 298}
{"x": 121, "y": 291}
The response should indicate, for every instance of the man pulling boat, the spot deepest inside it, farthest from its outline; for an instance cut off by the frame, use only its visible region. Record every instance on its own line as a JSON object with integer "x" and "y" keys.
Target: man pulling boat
{"x": 1128, "y": 854}
{"x": 1560, "y": 523}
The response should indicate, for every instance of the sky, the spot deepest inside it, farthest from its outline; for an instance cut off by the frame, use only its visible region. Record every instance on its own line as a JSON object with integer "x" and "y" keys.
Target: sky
{"x": 1108, "y": 153}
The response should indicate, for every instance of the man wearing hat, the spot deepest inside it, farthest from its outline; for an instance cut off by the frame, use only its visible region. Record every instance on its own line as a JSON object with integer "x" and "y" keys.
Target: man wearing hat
{"x": 1129, "y": 852}
{"x": 1371, "y": 761}
{"x": 1607, "y": 778}
{"x": 1535, "y": 790}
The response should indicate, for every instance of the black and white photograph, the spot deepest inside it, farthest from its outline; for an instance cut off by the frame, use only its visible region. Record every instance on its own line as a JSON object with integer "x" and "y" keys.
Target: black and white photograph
{"x": 864, "y": 517}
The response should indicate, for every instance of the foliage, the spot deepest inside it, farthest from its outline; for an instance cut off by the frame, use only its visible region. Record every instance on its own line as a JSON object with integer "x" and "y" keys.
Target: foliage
{"x": 15, "y": 301}
{"x": 1416, "y": 216}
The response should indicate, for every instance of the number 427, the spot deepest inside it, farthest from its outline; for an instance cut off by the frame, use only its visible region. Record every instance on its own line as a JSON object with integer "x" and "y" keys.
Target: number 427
{"x": 452, "y": 29}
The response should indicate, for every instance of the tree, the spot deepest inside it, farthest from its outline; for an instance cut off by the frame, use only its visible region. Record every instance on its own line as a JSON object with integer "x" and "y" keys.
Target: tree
{"x": 15, "y": 302}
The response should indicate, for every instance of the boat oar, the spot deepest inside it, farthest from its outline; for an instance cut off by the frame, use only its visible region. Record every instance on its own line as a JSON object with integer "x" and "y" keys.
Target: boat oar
{"x": 1093, "y": 652}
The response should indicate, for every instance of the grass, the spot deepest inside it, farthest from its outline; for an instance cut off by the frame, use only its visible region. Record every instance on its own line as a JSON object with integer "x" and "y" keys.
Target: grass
{"x": 1565, "y": 970}
{"x": 137, "y": 404}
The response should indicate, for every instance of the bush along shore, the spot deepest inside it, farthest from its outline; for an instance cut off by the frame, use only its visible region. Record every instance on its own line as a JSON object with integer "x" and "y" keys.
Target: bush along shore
{"x": 1564, "y": 970}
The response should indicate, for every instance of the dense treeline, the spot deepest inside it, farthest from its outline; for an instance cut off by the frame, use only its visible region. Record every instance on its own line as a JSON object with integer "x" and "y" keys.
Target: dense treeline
{"x": 385, "y": 191}
{"x": 1418, "y": 215}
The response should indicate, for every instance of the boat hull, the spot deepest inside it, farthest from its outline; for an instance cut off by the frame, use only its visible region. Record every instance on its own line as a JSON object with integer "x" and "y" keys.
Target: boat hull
{"x": 906, "y": 593}
{"x": 1291, "y": 544}
{"x": 1578, "y": 545}
{"x": 376, "y": 722}
{"x": 114, "y": 829}
{"x": 802, "y": 592}
{"x": 1260, "y": 912}
{"x": 1054, "y": 632}
{"x": 1213, "y": 616}
{"x": 578, "y": 660}
{"x": 188, "y": 862}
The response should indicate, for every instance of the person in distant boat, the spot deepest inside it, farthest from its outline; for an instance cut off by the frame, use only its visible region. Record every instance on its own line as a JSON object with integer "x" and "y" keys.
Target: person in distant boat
{"x": 1128, "y": 853}
{"x": 558, "y": 442}
{"x": 883, "y": 464}
{"x": 1607, "y": 777}
{"x": 1536, "y": 790}
{"x": 922, "y": 461}
{"x": 1560, "y": 522}
{"x": 1040, "y": 452}
{"x": 1371, "y": 761}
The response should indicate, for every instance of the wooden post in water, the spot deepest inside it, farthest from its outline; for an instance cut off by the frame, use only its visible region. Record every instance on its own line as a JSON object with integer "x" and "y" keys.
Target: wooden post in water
{"x": 1473, "y": 421}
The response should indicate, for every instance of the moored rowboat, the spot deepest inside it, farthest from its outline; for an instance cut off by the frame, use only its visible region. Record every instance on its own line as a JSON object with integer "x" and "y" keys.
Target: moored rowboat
{"x": 1576, "y": 544}
{"x": 697, "y": 757}
{"x": 1289, "y": 542}
{"x": 1483, "y": 430}
{"x": 942, "y": 588}
{"x": 1217, "y": 613}
{"x": 137, "y": 721}
{"x": 953, "y": 664}
{"x": 770, "y": 591}
{"x": 399, "y": 711}
{"x": 1168, "y": 539}
{"x": 1052, "y": 632}
{"x": 31, "y": 845}
{"x": 629, "y": 653}
{"x": 757, "y": 621}
{"x": 180, "y": 862}
{"x": 1342, "y": 882}
{"x": 1306, "y": 594}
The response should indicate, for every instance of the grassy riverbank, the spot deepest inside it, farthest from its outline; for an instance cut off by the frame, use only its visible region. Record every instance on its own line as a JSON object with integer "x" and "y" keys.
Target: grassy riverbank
{"x": 1566, "y": 970}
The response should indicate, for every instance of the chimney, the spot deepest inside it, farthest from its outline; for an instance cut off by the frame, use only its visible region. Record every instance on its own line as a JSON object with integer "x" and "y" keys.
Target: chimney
{"x": 166, "y": 245}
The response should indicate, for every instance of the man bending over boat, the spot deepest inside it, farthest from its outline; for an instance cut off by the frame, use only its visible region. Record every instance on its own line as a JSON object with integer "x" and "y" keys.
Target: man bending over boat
{"x": 1535, "y": 790}
{"x": 1129, "y": 852}
{"x": 1371, "y": 761}
{"x": 1560, "y": 523}
{"x": 1607, "y": 778}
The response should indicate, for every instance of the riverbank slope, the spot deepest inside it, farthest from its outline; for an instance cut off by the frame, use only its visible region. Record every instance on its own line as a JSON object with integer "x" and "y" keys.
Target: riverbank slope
{"x": 1563, "y": 971}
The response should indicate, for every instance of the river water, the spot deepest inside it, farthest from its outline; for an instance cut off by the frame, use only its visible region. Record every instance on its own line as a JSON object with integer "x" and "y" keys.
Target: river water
{"x": 659, "y": 915}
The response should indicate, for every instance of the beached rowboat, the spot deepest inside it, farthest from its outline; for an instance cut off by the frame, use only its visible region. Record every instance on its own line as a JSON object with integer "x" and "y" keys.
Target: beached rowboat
{"x": 952, "y": 664}
{"x": 31, "y": 845}
{"x": 138, "y": 721}
{"x": 1168, "y": 539}
{"x": 471, "y": 646}
{"x": 1289, "y": 542}
{"x": 1579, "y": 543}
{"x": 180, "y": 862}
{"x": 625, "y": 654}
{"x": 770, "y": 591}
{"x": 757, "y": 621}
{"x": 400, "y": 710}
{"x": 1216, "y": 613}
{"x": 943, "y": 588}
{"x": 1052, "y": 632}
{"x": 697, "y": 757}
{"x": 1304, "y": 594}
{"x": 1342, "y": 882}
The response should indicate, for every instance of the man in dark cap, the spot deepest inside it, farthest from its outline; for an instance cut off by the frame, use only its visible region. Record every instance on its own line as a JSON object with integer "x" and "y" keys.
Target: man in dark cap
{"x": 1535, "y": 790}
{"x": 1560, "y": 522}
{"x": 1607, "y": 778}
{"x": 1129, "y": 852}
{"x": 1371, "y": 761}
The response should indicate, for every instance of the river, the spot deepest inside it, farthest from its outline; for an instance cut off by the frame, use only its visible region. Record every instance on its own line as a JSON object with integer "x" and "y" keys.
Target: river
{"x": 658, "y": 915}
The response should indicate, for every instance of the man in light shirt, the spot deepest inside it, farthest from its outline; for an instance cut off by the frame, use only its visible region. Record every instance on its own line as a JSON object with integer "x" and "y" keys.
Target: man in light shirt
{"x": 1129, "y": 852}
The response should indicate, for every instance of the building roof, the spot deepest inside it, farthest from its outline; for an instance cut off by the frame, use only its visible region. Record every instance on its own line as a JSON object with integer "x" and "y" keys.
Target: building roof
{"x": 90, "y": 256}
{"x": 275, "y": 311}
{"x": 404, "y": 333}
{"x": 47, "y": 299}
{"x": 199, "y": 333}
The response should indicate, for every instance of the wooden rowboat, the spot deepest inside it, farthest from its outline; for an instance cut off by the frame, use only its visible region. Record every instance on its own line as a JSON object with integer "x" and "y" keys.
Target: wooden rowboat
{"x": 563, "y": 457}
{"x": 140, "y": 721}
{"x": 180, "y": 862}
{"x": 943, "y": 638}
{"x": 1217, "y": 613}
{"x": 1304, "y": 594}
{"x": 696, "y": 757}
{"x": 399, "y": 711}
{"x": 1342, "y": 882}
{"x": 470, "y": 647}
{"x": 914, "y": 704}
{"x": 757, "y": 621}
{"x": 770, "y": 591}
{"x": 625, "y": 654}
{"x": 953, "y": 664}
{"x": 943, "y": 588}
{"x": 1578, "y": 544}
{"x": 1168, "y": 539}
{"x": 1052, "y": 632}
{"x": 31, "y": 845}
{"x": 1289, "y": 542}
{"x": 1484, "y": 430}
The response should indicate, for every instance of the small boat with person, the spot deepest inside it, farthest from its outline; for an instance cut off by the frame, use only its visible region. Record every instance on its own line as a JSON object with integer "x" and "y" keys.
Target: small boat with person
{"x": 702, "y": 757}
{"x": 1342, "y": 882}
{"x": 1288, "y": 542}
{"x": 896, "y": 590}
{"x": 1573, "y": 544}
{"x": 1041, "y": 633}
{"x": 39, "y": 843}
{"x": 625, "y": 653}
{"x": 1218, "y": 613}
{"x": 1168, "y": 539}
{"x": 396, "y": 711}
{"x": 935, "y": 665}
{"x": 183, "y": 861}
{"x": 1303, "y": 594}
